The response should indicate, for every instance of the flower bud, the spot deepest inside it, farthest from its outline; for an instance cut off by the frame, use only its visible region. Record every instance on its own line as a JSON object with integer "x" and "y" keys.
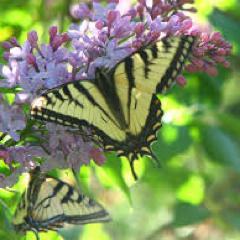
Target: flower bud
{"x": 33, "y": 38}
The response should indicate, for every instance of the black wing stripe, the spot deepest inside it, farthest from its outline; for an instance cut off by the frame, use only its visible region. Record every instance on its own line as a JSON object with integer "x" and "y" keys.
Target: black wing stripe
{"x": 70, "y": 98}
{"x": 166, "y": 44}
{"x": 56, "y": 189}
{"x": 87, "y": 218}
{"x": 145, "y": 59}
{"x": 68, "y": 196}
{"x": 106, "y": 85}
{"x": 154, "y": 51}
{"x": 48, "y": 99}
{"x": 58, "y": 95}
{"x": 80, "y": 198}
{"x": 85, "y": 92}
{"x": 129, "y": 66}
{"x": 177, "y": 64}
{"x": 67, "y": 93}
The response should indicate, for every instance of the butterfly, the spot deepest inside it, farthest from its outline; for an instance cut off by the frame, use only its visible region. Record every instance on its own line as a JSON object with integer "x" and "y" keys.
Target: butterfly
{"x": 120, "y": 105}
{"x": 49, "y": 203}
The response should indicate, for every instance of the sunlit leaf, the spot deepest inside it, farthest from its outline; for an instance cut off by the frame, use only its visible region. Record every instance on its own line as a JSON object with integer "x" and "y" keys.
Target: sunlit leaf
{"x": 95, "y": 231}
{"x": 111, "y": 174}
{"x": 5, "y": 33}
{"x": 192, "y": 191}
{"x": 10, "y": 97}
{"x": 18, "y": 17}
{"x": 84, "y": 178}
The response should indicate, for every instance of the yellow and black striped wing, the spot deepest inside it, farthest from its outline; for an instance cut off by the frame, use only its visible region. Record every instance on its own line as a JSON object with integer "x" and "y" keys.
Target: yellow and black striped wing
{"x": 51, "y": 203}
{"x": 149, "y": 71}
{"x": 63, "y": 204}
{"x": 120, "y": 105}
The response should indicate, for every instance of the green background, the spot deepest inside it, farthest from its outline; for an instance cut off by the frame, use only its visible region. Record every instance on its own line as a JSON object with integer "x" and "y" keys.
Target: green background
{"x": 196, "y": 193}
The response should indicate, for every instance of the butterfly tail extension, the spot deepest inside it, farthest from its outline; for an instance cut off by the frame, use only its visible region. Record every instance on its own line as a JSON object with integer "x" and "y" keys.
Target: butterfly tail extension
{"x": 132, "y": 159}
{"x": 35, "y": 233}
{"x": 156, "y": 161}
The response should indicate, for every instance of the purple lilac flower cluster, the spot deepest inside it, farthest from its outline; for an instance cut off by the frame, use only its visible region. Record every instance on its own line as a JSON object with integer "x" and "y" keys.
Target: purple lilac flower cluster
{"x": 210, "y": 50}
{"x": 105, "y": 35}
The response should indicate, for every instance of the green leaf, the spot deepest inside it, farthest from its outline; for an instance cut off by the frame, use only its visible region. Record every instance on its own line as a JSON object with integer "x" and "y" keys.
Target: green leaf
{"x": 10, "y": 98}
{"x": 220, "y": 147}
{"x": 187, "y": 214}
{"x": 111, "y": 174}
{"x": 84, "y": 179}
{"x": 227, "y": 25}
{"x": 6, "y": 232}
{"x": 19, "y": 17}
{"x": 4, "y": 168}
{"x": 232, "y": 218}
{"x": 93, "y": 231}
{"x": 7, "y": 235}
{"x": 14, "y": 90}
{"x": 230, "y": 123}
{"x": 192, "y": 191}
{"x": 172, "y": 140}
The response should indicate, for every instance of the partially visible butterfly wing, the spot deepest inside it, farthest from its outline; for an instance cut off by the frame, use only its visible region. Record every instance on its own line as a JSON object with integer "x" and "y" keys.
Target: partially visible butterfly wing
{"x": 57, "y": 203}
{"x": 21, "y": 213}
{"x": 49, "y": 203}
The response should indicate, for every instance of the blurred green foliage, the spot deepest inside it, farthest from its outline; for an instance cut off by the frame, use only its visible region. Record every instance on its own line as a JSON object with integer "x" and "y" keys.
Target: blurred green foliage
{"x": 195, "y": 195}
